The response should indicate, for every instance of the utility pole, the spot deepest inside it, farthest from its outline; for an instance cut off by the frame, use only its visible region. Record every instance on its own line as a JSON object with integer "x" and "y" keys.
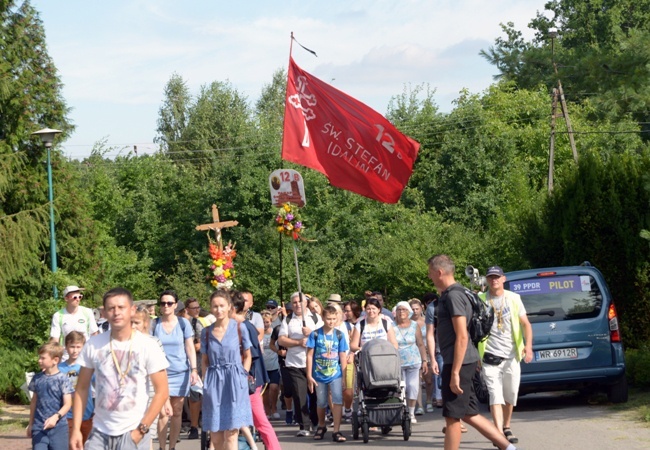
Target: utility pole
{"x": 558, "y": 93}
{"x": 551, "y": 152}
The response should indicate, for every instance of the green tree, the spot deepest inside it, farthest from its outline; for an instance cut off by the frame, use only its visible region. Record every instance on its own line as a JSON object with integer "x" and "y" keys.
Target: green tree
{"x": 596, "y": 216}
{"x": 30, "y": 98}
{"x": 601, "y": 53}
{"x": 173, "y": 116}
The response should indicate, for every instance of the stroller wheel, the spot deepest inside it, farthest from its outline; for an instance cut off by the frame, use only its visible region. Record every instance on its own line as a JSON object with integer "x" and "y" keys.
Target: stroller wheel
{"x": 365, "y": 428}
{"x": 355, "y": 425}
{"x": 406, "y": 429}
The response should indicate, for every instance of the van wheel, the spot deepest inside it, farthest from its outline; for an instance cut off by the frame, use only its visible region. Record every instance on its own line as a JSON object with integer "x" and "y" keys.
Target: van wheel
{"x": 617, "y": 393}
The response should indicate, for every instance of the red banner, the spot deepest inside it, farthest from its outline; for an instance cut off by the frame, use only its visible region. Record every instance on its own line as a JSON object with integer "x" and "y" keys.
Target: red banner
{"x": 350, "y": 143}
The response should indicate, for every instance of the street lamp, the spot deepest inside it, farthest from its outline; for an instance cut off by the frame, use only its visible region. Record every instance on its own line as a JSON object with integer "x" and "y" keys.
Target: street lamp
{"x": 47, "y": 136}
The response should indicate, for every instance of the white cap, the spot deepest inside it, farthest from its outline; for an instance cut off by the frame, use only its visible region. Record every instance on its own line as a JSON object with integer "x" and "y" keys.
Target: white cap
{"x": 69, "y": 289}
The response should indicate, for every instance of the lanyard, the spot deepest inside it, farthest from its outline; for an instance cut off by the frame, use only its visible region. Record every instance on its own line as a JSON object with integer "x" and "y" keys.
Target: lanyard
{"x": 122, "y": 374}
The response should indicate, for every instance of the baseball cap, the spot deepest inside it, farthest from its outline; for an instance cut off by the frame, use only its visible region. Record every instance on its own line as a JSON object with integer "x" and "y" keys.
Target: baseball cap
{"x": 271, "y": 303}
{"x": 180, "y": 306}
{"x": 69, "y": 289}
{"x": 494, "y": 271}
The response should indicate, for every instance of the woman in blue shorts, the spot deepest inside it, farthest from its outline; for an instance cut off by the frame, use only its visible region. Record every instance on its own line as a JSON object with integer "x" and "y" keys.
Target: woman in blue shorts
{"x": 175, "y": 334}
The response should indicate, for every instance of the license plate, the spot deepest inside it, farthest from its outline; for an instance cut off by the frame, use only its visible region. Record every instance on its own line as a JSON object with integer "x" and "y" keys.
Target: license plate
{"x": 558, "y": 353}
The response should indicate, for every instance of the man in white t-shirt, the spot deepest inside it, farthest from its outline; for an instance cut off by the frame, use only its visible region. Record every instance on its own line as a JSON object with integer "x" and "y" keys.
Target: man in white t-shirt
{"x": 72, "y": 317}
{"x": 510, "y": 342}
{"x": 293, "y": 334}
{"x": 122, "y": 359}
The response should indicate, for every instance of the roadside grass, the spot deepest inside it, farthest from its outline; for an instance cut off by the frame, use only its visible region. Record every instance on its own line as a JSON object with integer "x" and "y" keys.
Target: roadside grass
{"x": 637, "y": 406}
{"x": 12, "y": 421}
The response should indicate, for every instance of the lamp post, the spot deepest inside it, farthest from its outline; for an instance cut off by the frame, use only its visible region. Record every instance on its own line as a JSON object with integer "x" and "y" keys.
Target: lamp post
{"x": 47, "y": 137}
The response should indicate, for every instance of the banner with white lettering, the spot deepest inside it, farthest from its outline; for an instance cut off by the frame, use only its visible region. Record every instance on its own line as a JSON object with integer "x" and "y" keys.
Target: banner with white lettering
{"x": 357, "y": 148}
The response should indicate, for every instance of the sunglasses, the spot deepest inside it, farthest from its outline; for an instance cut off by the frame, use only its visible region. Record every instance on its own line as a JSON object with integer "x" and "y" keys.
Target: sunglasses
{"x": 271, "y": 307}
{"x": 193, "y": 307}
{"x": 77, "y": 297}
{"x": 167, "y": 303}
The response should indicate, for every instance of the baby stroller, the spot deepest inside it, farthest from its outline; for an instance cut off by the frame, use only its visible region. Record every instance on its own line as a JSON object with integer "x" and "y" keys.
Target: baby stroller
{"x": 380, "y": 394}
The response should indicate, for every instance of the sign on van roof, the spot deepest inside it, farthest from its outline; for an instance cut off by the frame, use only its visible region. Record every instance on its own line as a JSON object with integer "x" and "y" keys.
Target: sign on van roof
{"x": 549, "y": 285}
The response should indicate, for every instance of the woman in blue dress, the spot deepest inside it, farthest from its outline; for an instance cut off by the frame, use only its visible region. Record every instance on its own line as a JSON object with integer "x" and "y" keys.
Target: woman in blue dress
{"x": 225, "y": 349}
{"x": 175, "y": 334}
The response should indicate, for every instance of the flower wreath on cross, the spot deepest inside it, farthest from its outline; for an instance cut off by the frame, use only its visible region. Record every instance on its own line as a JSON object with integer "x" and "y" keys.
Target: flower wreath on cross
{"x": 222, "y": 266}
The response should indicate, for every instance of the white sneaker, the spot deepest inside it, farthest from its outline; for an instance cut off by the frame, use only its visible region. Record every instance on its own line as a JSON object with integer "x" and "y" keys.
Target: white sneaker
{"x": 429, "y": 408}
{"x": 303, "y": 433}
{"x": 275, "y": 416}
{"x": 413, "y": 419}
{"x": 419, "y": 412}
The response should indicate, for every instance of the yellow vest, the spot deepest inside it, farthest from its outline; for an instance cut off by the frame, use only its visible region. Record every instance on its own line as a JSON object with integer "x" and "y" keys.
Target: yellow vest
{"x": 515, "y": 325}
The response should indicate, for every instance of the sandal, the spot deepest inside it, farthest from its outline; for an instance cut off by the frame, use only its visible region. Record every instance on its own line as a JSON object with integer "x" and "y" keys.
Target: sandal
{"x": 338, "y": 437}
{"x": 320, "y": 432}
{"x": 509, "y": 436}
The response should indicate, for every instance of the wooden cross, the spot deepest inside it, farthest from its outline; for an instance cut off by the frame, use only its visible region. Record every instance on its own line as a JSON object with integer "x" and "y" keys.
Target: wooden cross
{"x": 217, "y": 226}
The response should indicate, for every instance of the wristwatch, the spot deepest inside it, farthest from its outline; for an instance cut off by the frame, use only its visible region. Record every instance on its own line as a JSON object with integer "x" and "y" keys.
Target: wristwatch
{"x": 142, "y": 428}
{"x": 59, "y": 415}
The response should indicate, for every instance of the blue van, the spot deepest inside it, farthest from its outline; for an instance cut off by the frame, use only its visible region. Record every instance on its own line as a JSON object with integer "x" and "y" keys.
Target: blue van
{"x": 576, "y": 337}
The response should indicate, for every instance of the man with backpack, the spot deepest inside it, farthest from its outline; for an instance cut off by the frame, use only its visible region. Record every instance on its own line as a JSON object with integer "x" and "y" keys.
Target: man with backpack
{"x": 460, "y": 358}
{"x": 502, "y": 352}
{"x": 294, "y": 330}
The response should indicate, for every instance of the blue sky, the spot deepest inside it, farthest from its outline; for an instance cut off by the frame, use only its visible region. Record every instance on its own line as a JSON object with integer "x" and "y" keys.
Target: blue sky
{"x": 115, "y": 57}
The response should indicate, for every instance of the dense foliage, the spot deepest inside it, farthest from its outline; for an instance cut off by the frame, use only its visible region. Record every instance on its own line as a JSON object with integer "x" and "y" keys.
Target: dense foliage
{"x": 478, "y": 191}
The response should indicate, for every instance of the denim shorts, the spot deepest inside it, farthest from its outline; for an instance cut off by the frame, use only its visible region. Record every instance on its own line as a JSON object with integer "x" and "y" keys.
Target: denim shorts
{"x": 335, "y": 388}
{"x": 56, "y": 437}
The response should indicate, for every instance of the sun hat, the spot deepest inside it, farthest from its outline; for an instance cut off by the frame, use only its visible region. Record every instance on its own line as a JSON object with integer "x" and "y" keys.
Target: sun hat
{"x": 334, "y": 298}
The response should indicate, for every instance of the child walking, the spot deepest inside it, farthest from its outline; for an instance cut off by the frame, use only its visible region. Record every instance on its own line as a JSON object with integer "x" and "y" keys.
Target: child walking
{"x": 326, "y": 362}
{"x": 74, "y": 342}
{"x": 52, "y": 400}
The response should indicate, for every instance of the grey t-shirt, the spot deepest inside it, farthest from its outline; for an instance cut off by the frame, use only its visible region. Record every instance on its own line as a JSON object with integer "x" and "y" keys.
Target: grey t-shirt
{"x": 453, "y": 302}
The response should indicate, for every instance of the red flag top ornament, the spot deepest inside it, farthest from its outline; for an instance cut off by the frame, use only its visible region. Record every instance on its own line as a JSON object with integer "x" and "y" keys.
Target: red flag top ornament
{"x": 353, "y": 145}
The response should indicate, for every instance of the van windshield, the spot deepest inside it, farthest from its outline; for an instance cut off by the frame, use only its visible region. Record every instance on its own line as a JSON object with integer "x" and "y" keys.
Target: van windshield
{"x": 555, "y": 298}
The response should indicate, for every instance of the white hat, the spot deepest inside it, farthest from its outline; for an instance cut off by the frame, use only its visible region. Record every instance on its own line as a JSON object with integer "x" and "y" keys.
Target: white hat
{"x": 334, "y": 298}
{"x": 69, "y": 289}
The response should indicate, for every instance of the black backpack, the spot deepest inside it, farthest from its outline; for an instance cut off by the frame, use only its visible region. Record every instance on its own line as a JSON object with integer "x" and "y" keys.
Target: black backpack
{"x": 480, "y": 324}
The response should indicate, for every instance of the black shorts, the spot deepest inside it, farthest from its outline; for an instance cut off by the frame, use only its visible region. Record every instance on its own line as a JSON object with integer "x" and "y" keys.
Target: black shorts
{"x": 459, "y": 406}
{"x": 287, "y": 385}
{"x": 274, "y": 376}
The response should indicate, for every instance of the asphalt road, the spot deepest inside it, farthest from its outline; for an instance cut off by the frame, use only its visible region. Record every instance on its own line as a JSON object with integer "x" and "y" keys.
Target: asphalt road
{"x": 541, "y": 421}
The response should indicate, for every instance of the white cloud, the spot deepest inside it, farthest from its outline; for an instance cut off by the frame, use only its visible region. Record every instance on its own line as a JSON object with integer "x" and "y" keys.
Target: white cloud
{"x": 119, "y": 55}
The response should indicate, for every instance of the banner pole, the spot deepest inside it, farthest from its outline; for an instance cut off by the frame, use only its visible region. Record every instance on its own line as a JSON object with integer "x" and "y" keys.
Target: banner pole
{"x": 295, "y": 259}
{"x": 291, "y": 46}
{"x": 281, "y": 270}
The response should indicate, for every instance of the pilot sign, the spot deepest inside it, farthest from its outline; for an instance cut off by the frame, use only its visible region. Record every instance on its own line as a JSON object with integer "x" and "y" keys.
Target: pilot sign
{"x": 286, "y": 186}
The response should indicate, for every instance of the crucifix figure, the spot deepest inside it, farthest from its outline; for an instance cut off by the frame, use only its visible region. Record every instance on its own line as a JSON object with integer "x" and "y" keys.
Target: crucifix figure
{"x": 217, "y": 226}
